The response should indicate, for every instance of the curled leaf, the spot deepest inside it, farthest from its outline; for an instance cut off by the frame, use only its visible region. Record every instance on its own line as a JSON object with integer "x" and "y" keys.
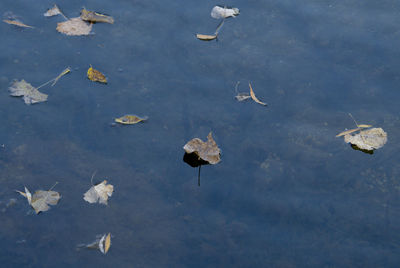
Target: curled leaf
{"x": 105, "y": 243}
{"x": 99, "y": 193}
{"x": 220, "y": 12}
{"x": 364, "y": 126}
{"x": 92, "y": 16}
{"x": 18, "y": 23}
{"x": 253, "y": 96}
{"x": 369, "y": 140}
{"x": 74, "y": 26}
{"x": 102, "y": 243}
{"x": 30, "y": 94}
{"x": 206, "y": 37}
{"x": 207, "y": 151}
{"x": 96, "y": 76}
{"x": 130, "y": 119}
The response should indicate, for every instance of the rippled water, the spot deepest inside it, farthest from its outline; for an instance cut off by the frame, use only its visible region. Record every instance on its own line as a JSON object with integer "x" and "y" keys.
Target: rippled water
{"x": 287, "y": 193}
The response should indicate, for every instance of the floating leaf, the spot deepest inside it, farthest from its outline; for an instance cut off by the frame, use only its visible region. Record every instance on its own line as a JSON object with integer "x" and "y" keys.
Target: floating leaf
{"x": 369, "y": 140}
{"x": 105, "y": 243}
{"x": 364, "y": 126}
{"x": 96, "y": 76}
{"x": 130, "y": 119}
{"x": 99, "y": 193}
{"x": 92, "y": 16}
{"x": 17, "y": 23}
{"x": 207, "y": 151}
{"x": 31, "y": 94}
{"x": 74, "y": 26}
{"x": 348, "y": 132}
{"x": 52, "y": 11}
{"x": 206, "y": 37}
{"x": 41, "y": 200}
{"x": 102, "y": 243}
{"x": 220, "y": 12}
{"x": 253, "y": 96}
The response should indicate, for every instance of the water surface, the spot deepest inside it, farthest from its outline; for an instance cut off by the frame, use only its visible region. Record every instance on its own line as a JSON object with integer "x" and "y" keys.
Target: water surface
{"x": 287, "y": 193}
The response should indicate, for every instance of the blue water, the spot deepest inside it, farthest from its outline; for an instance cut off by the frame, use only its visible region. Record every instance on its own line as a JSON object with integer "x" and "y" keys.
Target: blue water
{"x": 287, "y": 193}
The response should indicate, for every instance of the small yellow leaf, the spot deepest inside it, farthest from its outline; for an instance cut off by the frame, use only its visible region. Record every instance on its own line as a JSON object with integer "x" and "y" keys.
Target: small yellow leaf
{"x": 348, "y": 131}
{"x": 107, "y": 243}
{"x": 96, "y": 76}
{"x": 253, "y": 96}
{"x": 206, "y": 37}
{"x": 17, "y": 23}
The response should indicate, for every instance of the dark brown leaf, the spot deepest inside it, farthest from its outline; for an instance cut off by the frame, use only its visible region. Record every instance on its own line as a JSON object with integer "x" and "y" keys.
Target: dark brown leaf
{"x": 207, "y": 151}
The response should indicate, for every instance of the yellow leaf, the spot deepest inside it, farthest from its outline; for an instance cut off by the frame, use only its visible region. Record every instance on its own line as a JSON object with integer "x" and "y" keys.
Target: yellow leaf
{"x": 17, "y": 23}
{"x": 107, "y": 243}
{"x": 348, "y": 131}
{"x": 96, "y": 76}
{"x": 253, "y": 96}
{"x": 206, "y": 37}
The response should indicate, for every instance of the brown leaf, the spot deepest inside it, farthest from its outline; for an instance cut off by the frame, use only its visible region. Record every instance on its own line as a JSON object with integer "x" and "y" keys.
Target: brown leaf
{"x": 96, "y": 76}
{"x": 74, "y": 26}
{"x": 206, "y": 37}
{"x": 17, "y": 23}
{"x": 253, "y": 96}
{"x": 369, "y": 140}
{"x": 92, "y": 16}
{"x": 130, "y": 119}
{"x": 207, "y": 151}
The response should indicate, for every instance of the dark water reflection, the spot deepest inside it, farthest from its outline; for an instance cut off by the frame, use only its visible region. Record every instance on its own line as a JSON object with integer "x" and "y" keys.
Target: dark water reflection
{"x": 287, "y": 192}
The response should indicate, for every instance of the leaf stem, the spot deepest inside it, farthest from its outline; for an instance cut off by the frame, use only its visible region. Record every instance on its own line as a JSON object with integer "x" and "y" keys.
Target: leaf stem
{"x": 53, "y": 186}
